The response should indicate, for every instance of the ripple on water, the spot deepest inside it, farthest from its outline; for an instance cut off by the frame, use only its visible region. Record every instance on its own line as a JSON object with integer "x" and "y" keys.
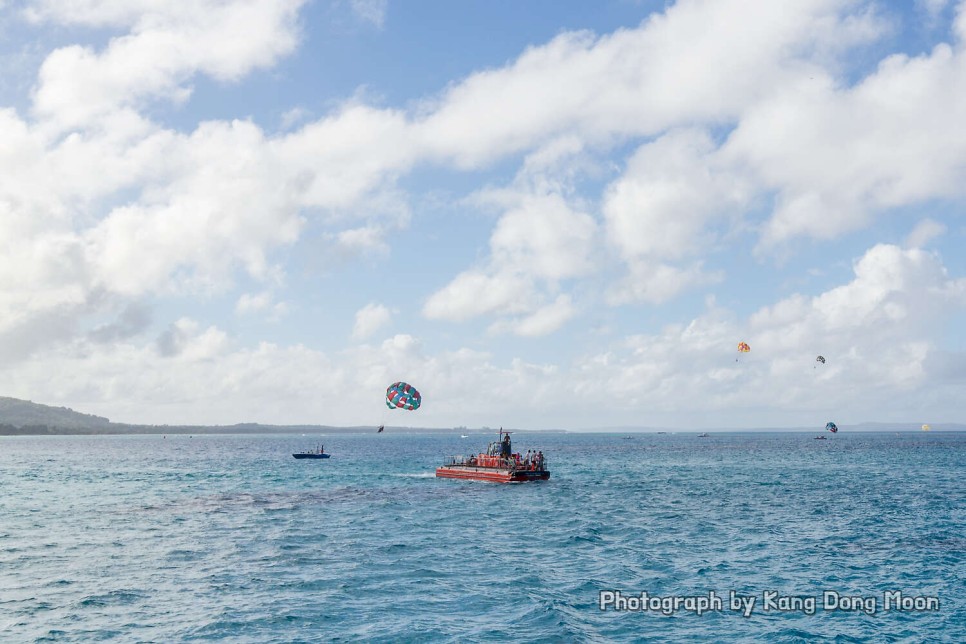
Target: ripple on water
{"x": 228, "y": 538}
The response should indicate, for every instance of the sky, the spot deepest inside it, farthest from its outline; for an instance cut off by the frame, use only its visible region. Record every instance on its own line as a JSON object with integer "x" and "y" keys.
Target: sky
{"x": 543, "y": 215}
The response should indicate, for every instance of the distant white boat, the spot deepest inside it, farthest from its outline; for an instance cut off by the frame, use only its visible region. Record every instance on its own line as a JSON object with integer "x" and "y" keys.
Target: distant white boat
{"x": 463, "y": 436}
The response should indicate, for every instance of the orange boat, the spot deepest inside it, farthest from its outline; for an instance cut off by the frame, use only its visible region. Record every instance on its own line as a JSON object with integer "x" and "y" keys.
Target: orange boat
{"x": 499, "y": 464}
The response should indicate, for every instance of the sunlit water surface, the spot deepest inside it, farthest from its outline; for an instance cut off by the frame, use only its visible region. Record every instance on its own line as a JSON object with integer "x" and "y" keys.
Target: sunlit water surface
{"x": 177, "y": 538}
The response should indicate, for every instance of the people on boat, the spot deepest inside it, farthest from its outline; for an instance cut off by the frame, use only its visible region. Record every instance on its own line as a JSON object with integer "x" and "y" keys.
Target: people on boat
{"x": 506, "y": 446}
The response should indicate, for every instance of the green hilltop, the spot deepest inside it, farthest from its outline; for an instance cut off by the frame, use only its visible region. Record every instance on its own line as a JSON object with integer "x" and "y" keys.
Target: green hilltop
{"x": 23, "y": 414}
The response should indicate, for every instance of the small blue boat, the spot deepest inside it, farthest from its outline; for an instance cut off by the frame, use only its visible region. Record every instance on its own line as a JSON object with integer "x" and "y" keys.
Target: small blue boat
{"x": 319, "y": 453}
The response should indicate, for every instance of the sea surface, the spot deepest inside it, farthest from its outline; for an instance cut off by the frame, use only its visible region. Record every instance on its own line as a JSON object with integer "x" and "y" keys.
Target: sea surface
{"x": 229, "y": 538}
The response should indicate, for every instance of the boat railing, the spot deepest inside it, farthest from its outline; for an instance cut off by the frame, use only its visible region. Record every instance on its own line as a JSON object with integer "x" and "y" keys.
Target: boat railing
{"x": 512, "y": 464}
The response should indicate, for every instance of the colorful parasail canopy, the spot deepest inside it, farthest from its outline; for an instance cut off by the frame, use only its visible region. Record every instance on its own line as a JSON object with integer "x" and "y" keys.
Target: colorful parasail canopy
{"x": 831, "y": 427}
{"x": 926, "y": 428}
{"x": 402, "y": 395}
{"x": 743, "y": 347}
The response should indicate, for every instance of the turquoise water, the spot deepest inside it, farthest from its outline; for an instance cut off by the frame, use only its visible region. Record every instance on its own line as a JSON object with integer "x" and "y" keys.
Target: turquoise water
{"x": 228, "y": 538}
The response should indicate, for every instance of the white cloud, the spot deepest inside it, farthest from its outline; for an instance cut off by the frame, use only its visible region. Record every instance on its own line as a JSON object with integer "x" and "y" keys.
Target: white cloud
{"x": 666, "y": 208}
{"x": 367, "y": 239}
{"x": 253, "y": 302}
{"x": 539, "y": 241}
{"x": 924, "y": 232}
{"x": 370, "y": 319}
{"x": 664, "y": 204}
{"x": 959, "y": 23}
{"x": 932, "y": 7}
{"x": 544, "y": 320}
{"x": 94, "y": 13}
{"x": 293, "y": 117}
{"x": 474, "y": 293}
{"x": 202, "y": 379}
{"x": 262, "y": 302}
{"x": 344, "y": 157}
{"x": 193, "y": 207}
{"x": 876, "y": 330}
{"x": 372, "y": 11}
{"x": 694, "y": 63}
{"x": 223, "y": 205}
{"x": 891, "y": 284}
{"x": 545, "y": 237}
{"x": 138, "y": 210}
{"x": 167, "y": 44}
{"x": 877, "y": 333}
{"x": 835, "y": 158}
{"x": 185, "y": 340}
{"x": 657, "y": 282}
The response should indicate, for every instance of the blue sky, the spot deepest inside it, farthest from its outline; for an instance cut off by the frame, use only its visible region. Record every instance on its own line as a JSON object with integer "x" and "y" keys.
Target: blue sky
{"x": 541, "y": 214}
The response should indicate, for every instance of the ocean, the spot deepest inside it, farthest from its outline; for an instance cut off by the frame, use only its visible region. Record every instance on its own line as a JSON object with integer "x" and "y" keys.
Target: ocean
{"x": 639, "y": 537}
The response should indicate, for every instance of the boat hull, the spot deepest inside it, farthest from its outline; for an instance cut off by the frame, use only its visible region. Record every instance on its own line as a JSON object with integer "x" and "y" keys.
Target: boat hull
{"x": 491, "y": 474}
{"x": 310, "y": 455}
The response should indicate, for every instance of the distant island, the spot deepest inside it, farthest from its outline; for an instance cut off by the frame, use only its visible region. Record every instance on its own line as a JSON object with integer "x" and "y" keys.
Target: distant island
{"x": 26, "y": 418}
{"x": 23, "y": 417}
